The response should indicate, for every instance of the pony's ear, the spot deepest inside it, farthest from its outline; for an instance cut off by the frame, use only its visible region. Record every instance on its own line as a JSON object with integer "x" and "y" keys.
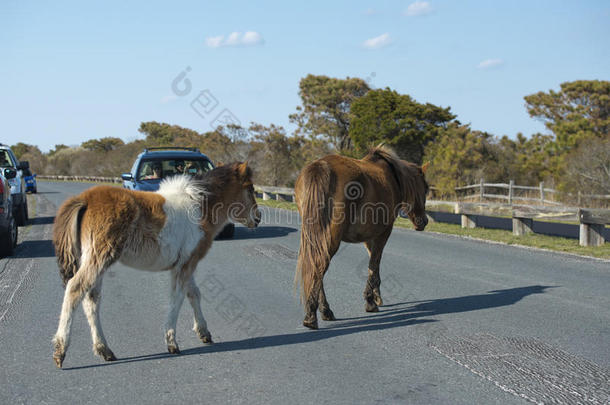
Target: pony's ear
{"x": 425, "y": 167}
{"x": 244, "y": 171}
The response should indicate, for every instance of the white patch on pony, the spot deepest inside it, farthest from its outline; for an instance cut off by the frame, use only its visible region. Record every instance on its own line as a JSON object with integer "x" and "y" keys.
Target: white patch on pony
{"x": 181, "y": 233}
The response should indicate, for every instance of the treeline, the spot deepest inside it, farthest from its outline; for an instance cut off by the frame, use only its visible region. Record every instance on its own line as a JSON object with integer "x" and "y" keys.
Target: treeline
{"x": 346, "y": 116}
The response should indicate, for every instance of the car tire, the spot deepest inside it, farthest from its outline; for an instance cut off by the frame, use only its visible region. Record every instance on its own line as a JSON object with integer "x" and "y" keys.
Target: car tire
{"x": 22, "y": 214}
{"x": 227, "y": 232}
{"x": 8, "y": 241}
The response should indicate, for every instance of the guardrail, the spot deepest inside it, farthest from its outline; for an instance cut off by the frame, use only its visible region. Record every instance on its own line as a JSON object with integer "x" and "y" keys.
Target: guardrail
{"x": 281, "y": 193}
{"x": 592, "y": 221}
{"x": 97, "y": 179}
{"x": 511, "y": 187}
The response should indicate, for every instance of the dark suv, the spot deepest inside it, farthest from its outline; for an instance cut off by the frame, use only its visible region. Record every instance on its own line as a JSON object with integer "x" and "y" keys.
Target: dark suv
{"x": 154, "y": 164}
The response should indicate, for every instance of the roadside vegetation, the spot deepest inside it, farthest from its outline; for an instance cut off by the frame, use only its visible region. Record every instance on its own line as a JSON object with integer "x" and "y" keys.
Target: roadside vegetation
{"x": 346, "y": 116}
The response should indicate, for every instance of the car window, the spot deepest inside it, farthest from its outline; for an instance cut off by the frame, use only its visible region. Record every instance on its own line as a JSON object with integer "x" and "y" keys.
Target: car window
{"x": 154, "y": 169}
{"x": 5, "y": 159}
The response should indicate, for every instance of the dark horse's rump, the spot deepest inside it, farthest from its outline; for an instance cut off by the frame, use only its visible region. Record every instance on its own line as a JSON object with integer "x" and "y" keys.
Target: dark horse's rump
{"x": 344, "y": 199}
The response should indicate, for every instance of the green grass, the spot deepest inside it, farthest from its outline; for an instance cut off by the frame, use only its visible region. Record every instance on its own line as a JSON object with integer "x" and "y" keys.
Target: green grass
{"x": 277, "y": 204}
{"x": 497, "y": 235}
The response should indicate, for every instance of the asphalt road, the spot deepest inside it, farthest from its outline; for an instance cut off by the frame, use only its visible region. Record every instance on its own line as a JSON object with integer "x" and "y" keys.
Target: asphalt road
{"x": 464, "y": 322}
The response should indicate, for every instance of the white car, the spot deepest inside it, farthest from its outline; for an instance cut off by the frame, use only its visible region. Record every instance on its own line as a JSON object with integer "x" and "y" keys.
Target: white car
{"x": 17, "y": 184}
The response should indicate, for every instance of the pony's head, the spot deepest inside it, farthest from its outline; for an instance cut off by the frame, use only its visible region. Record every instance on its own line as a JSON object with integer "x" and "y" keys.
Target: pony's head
{"x": 412, "y": 184}
{"x": 416, "y": 190}
{"x": 243, "y": 208}
{"x": 231, "y": 192}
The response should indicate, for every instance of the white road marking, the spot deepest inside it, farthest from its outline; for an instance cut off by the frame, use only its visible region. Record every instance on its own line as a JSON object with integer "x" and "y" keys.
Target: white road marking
{"x": 28, "y": 268}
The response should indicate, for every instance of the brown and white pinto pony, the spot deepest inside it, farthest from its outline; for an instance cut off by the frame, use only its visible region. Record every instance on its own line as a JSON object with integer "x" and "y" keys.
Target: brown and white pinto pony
{"x": 349, "y": 200}
{"x": 171, "y": 229}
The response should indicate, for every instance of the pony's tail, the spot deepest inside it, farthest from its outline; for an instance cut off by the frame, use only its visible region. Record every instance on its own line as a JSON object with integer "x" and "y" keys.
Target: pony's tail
{"x": 314, "y": 251}
{"x": 66, "y": 237}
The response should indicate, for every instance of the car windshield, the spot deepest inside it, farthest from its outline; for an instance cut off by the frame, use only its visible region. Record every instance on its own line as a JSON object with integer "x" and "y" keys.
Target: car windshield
{"x": 154, "y": 169}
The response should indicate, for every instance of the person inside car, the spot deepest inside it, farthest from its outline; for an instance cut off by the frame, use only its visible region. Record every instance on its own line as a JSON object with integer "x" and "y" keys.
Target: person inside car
{"x": 179, "y": 166}
{"x": 157, "y": 172}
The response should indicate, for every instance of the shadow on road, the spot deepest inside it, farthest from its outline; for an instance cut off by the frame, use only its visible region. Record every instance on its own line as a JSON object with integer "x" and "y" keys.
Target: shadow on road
{"x": 35, "y": 248}
{"x": 492, "y": 299}
{"x": 41, "y": 221}
{"x": 262, "y": 232}
{"x": 400, "y": 314}
{"x": 266, "y": 341}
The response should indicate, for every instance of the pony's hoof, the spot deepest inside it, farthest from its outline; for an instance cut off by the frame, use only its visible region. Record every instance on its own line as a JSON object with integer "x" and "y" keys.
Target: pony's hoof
{"x": 328, "y": 315}
{"x": 173, "y": 349}
{"x": 378, "y": 300}
{"x": 207, "y": 338}
{"x": 104, "y": 352}
{"x": 59, "y": 359}
{"x": 371, "y": 307}
{"x": 110, "y": 357}
{"x": 311, "y": 324}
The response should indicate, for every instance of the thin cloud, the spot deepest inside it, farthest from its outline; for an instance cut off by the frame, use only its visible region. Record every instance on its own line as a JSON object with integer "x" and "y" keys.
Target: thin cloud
{"x": 252, "y": 38}
{"x": 418, "y": 8}
{"x": 214, "y": 42}
{"x": 248, "y": 38}
{"x": 377, "y": 42}
{"x": 369, "y": 12}
{"x": 490, "y": 63}
{"x": 169, "y": 98}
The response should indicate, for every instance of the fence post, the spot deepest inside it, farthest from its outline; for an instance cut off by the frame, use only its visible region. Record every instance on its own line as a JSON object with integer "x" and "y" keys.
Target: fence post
{"x": 522, "y": 226}
{"x": 481, "y": 191}
{"x": 510, "y": 191}
{"x": 592, "y": 225}
{"x": 542, "y": 192}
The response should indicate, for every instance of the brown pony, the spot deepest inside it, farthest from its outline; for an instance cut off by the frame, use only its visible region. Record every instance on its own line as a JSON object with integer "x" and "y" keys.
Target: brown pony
{"x": 344, "y": 199}
{"x": 171, "y": 229}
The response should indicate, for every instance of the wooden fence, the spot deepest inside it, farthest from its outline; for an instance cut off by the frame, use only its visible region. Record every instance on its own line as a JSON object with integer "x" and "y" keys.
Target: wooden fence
{"x": 480, "y": 193}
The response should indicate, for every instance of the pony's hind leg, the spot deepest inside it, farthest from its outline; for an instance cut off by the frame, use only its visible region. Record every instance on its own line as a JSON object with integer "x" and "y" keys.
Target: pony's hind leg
{"x": 372, "y": 294}
{"x": 176, "y": 299}
{"x": 76, "y": 287}
{"x": 311, "y": 305}
{"x": 91, "y": 306}
{"x": 324, "y": 308}
{"x": 199, "y": 325}
{"x": 317, "y": 296}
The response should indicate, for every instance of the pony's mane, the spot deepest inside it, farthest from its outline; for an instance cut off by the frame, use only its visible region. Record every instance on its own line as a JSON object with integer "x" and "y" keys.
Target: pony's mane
{"x": 209, "y": 184}
{"x": 218, "y": 179}
{"x": 406, "y": 182}
{"x": 382, "y": 152}
{"x": 180, "y": 186}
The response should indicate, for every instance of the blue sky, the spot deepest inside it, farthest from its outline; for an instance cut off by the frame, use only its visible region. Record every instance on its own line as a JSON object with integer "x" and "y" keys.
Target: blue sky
{"x": 74, "y": 70}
